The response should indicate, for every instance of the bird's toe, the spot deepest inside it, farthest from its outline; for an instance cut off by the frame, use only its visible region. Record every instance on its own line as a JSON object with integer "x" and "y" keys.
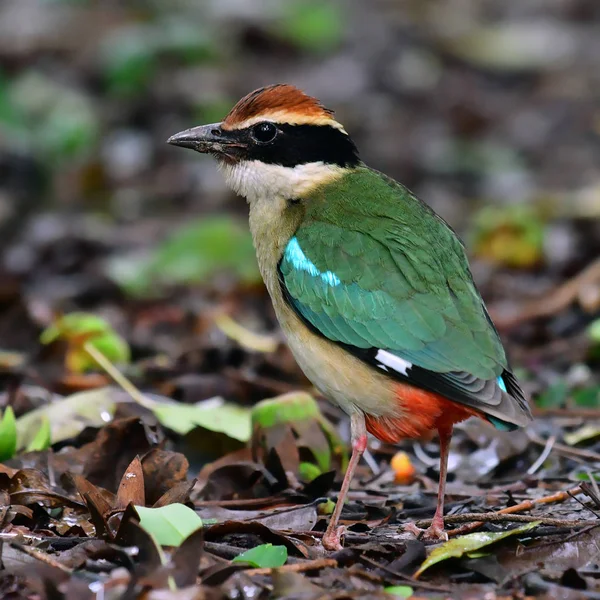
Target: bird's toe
{"x": 332, "y": 540}
{"x": 434, "y": 533}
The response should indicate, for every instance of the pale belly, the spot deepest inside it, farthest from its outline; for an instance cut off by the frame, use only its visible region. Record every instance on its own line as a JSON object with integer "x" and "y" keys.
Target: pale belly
{"x": 338, "y": 375}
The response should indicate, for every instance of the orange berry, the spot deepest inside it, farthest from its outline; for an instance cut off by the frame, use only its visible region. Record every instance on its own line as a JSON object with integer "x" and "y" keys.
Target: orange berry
{"x": 403, "y": 469}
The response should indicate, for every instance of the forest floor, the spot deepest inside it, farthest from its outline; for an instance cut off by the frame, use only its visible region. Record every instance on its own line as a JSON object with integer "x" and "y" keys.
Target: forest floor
{"x": 114, "y": 244}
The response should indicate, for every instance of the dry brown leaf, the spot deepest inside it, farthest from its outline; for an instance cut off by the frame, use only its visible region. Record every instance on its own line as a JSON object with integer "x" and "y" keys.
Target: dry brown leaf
{"x": 131, "y": 489}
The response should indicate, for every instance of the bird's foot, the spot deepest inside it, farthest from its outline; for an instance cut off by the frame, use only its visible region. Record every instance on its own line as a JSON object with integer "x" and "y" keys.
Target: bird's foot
{"x": 332, "y": 540}
{"x": 434, "y": 533}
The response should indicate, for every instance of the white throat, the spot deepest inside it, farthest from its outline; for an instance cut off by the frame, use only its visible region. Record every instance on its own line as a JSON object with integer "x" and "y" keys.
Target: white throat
{"x": 256, "y": 180}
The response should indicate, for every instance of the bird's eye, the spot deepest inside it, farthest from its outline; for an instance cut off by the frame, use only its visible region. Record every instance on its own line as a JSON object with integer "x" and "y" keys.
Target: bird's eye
{"x": 264, "y": 132}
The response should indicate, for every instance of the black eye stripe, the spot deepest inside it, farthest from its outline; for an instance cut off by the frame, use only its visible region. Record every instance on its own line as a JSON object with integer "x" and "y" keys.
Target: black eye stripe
{"x": 299, "y": 144}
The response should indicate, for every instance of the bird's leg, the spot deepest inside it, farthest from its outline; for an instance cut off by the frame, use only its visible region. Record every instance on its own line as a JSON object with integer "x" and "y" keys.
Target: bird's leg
{"x": 435, "y": 531}
{"x": 332, "y": 537}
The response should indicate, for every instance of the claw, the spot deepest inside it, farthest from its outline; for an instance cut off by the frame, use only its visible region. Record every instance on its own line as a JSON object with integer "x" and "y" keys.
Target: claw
{"x": 434, "y": 533}
{"x": 332, "y": 541}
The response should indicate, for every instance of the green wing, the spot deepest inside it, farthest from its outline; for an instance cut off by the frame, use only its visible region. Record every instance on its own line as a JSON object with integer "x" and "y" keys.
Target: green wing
{"x": 386, "y": 274}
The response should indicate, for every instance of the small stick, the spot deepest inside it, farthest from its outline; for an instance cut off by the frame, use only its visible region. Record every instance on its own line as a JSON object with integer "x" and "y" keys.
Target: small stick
{"x": 585, "y": 487}
{"x": 555, "y": 301}
{"x": 222, "y": 550}
{"x": 301, "y": 567}
{"x": 570, "y": 537}
{"x": 17, "y": 536}
{"x": 371, "y": 462}
{"x": 406, "y": 578}
{"x": 118, "y": 376}
{"x": 584, "y": 506}
{"x": 281, "y": 387}
{"x": 521, "y": 507}
{"x": 244, "y": 337}
{"x": 543, "y": 456}
{"x": 256, "y": 503}
{"x": 583, "y": 413}
{"x": 564, "y": 449}
{"x": 494, "y": 517}
{"x": 42, "y": 557}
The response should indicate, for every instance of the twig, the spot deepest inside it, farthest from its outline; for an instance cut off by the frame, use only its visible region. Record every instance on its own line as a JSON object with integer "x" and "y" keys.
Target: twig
{"x": 584, "y": 506}
{"x": 584, "y": 413}
{"x": 27, "y": 494}
{"x": 555, "y": 301}
{"x": 521, "y": 507}
{"x": 118, "y": 376}
{"x": 564, "y": 449}
{"x": 406, "y": 578}
{"x": 362, "y": 573}
{"x": 494, "y": 517}
{"x": 268, "y": 383}
{"x": 247, "y": 503}
{"x": 42, "y": 557}
{"x": 594, "y": 484}
{"x": 18, "y": 536}
{"x": 244, "y": 337}
{"x": 591, "y": 491}
{"x": 301, "y": 567}
{"x": 371, "y": 463}
{"x": 543, "y": 456}
{"x": 222, "y": 550}
{"x": 423, "y": 456}
{"x": 570, "y": 537}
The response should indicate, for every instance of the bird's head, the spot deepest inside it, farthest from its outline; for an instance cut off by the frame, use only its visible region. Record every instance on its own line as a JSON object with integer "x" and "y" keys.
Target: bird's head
{"x": 277, "y": 142}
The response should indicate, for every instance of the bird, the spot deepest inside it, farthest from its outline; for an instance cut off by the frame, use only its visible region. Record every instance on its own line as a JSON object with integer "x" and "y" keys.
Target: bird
{"x": 372, "y": 289}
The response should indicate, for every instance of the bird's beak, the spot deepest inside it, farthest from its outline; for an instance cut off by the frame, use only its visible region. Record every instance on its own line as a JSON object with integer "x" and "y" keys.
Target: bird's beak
{"x": 208, "y": 139}
{"x": 202, "y": 139}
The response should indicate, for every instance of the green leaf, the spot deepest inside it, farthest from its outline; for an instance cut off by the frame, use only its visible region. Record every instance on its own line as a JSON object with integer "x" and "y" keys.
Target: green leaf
{"x": 43, "y": 437}
{"x": 79, "y": 328}
{"x": 308, "y": 471}
{"x": 554, "y": 397}
{"x": 470, "y": 543}
{"x": 129, "y": 59}
{"x": 326, "y": 508}
{"x": 225, "y": 417}
{"x": 94, "y": 408}
{"x": 288, "y": 408}
{"x": 587, "y": 432}
{"x": 594, "y": 332}
{"x": 402, "y": 591}
{"x": 510, "y": 235}
{"x": 194, "y": 254}
{"x": 588, "y": 397}
{"x": 74, "y": 324}
{"x": 11, "y": 117}
{"x": 170, "y": 524}
{"x": 477, "y": 554}
{"x": 62, "y": 121}
{"x": 68, "y": 416}
{"x": 265, "y": 556}
{"x": 311, "y": 25}
{"x": 8, "y": 434}
{"x": 302, "y": 413}
{"x": 182, "y": 39}
{"x": 69, "y": 130}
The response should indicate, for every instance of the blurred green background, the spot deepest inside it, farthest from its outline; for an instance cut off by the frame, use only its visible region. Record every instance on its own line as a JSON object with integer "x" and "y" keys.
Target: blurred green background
{"x": 488, "y": 109}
